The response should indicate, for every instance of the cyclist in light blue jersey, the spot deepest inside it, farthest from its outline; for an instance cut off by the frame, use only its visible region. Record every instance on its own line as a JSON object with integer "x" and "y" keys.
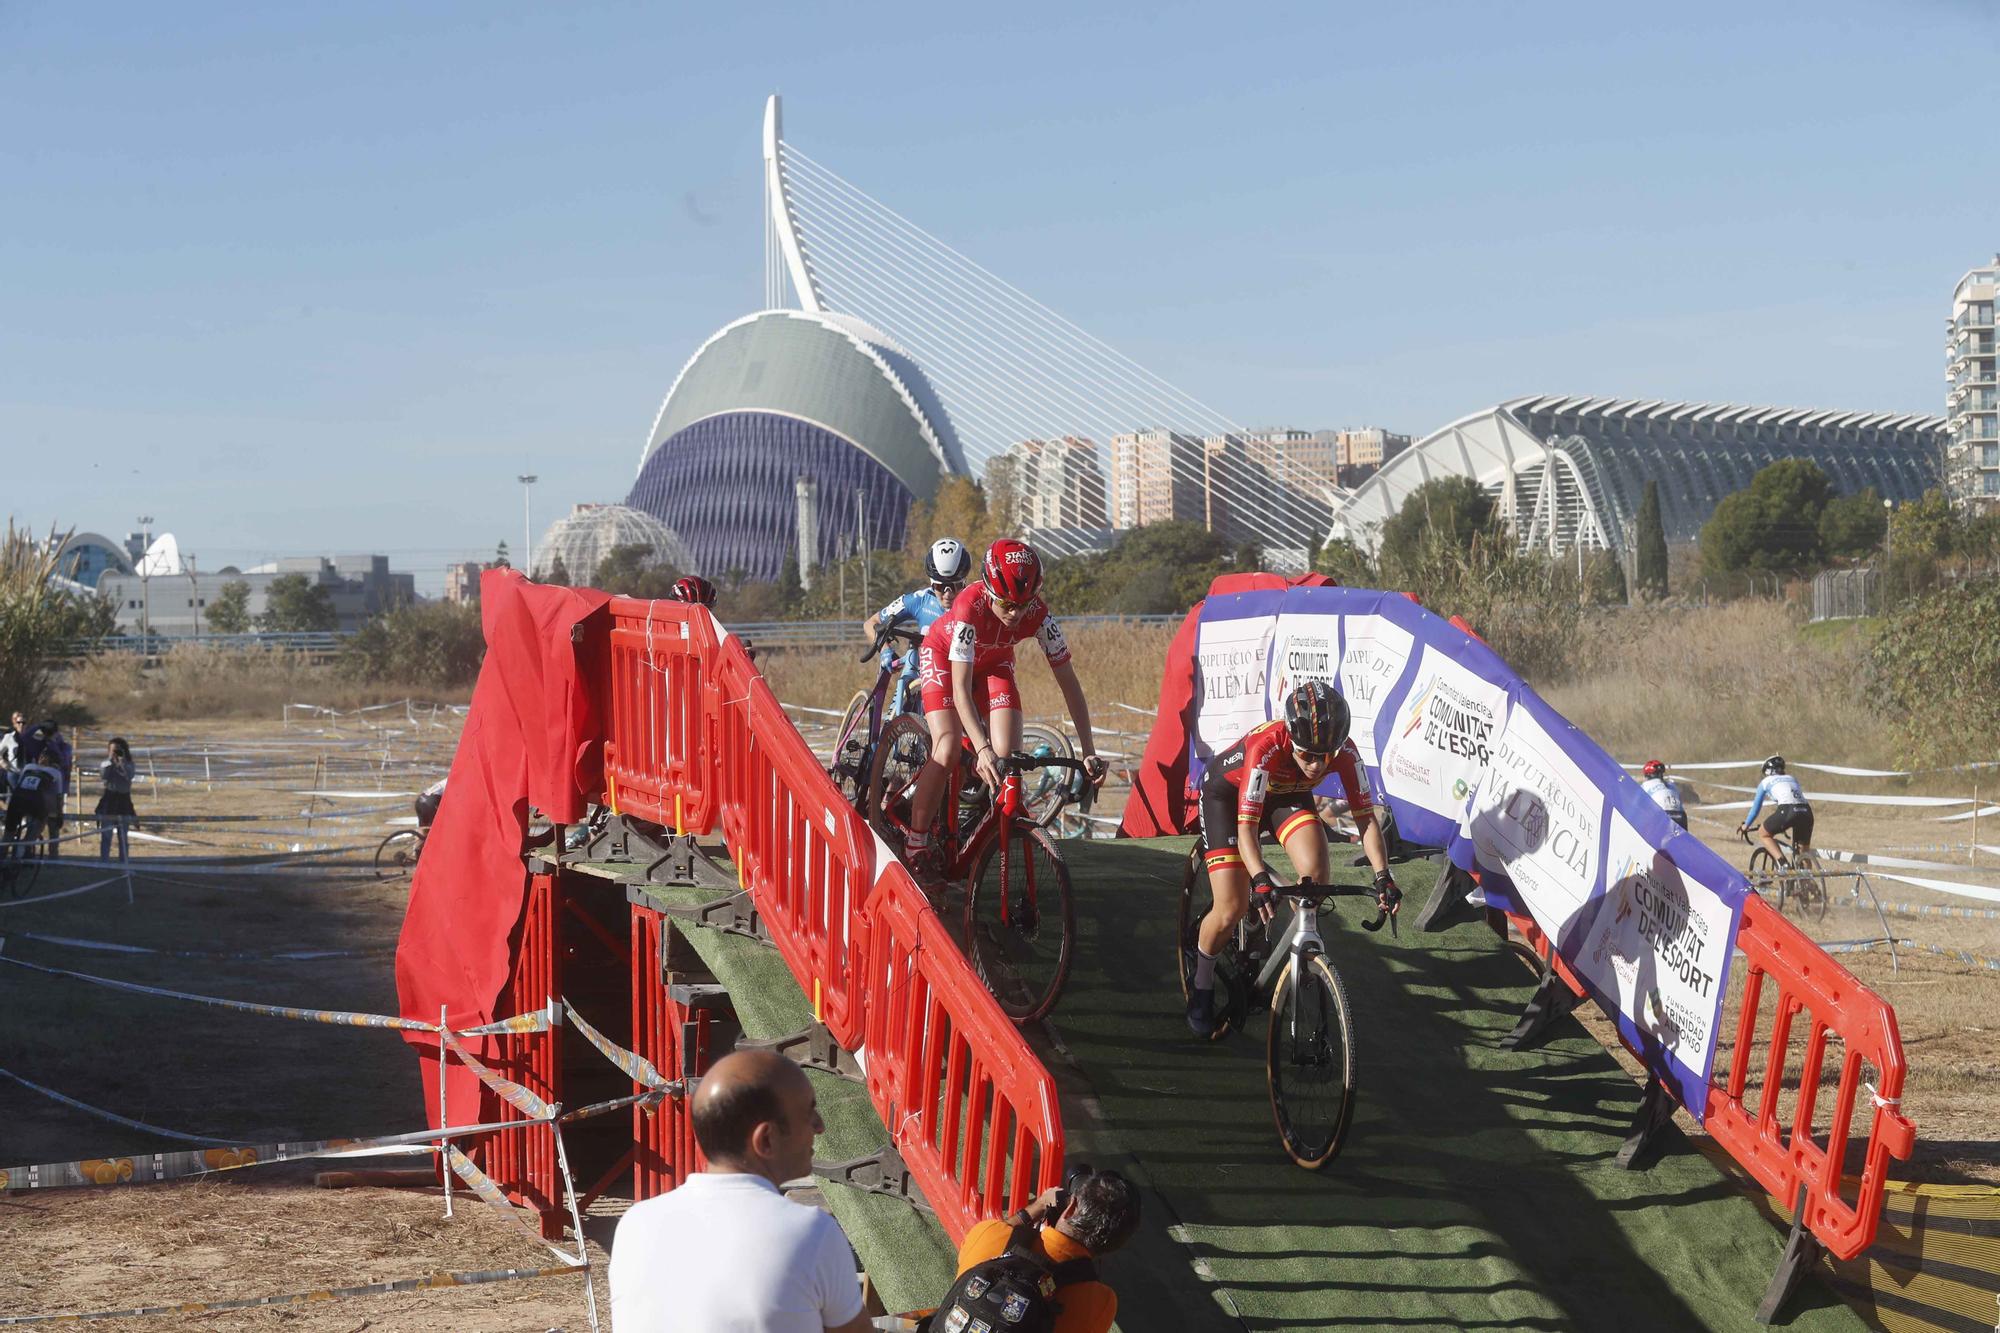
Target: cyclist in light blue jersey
{"x": 946, "y": 565}
{"x": 1792, "y": 810}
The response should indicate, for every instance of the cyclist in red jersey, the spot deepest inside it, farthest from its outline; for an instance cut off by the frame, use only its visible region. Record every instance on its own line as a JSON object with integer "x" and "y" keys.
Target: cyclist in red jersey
{"x": 966, "y": 665}
{"x": 1266, "y": 780}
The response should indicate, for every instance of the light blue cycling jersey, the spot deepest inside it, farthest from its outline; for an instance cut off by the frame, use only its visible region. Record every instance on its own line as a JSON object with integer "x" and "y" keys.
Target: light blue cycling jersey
{"x": 1782, "y": 788}
{"x": 924, "y": 607}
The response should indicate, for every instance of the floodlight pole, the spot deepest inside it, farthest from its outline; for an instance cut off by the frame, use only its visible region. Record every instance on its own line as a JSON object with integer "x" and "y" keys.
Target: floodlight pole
{"x": 145, "y": 583}
{"x": 527, "y": 479}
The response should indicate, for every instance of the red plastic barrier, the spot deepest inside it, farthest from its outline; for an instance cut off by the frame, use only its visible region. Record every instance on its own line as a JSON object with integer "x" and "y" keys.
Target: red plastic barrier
{"x": 675, "y": 1039}
{"x": 971, "y": 1110}
{"x": 804, "y": 853}
{"x": 1841, "y": 1210}
{"x": 659, "y": 752}
{"x": 524, "y": 1161}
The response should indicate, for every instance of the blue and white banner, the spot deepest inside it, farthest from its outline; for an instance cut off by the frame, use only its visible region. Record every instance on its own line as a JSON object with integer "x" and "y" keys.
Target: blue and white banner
{"x": 1472, "y": 760}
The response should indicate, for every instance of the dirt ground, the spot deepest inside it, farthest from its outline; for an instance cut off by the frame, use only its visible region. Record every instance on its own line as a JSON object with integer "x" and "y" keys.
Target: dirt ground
{"x": 267, "y": 1231}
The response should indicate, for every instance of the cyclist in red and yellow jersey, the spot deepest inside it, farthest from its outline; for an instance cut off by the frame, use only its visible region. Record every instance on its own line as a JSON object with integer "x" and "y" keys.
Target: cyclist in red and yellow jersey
{"x": 1266, "y": 780}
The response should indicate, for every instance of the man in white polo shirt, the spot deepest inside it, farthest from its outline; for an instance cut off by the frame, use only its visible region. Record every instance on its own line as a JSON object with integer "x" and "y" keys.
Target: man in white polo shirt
{"x": 727, "y": 1252}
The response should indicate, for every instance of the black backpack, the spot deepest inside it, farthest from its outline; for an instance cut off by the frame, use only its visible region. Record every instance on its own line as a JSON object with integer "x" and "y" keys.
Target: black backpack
{"x": 1014, "y": 1293}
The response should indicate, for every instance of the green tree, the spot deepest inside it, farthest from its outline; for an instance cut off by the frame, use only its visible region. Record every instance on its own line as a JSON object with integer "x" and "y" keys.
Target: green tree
{"x": 791, "y": 592}
{"x": 36, "y": 614}
{"x": 1771, "y": 524}
{"x": 500, "y": 560}
{"x": 294, "y": 603}
{"x": 959, "y": 510}
{"x": 634, "y": 569}
{"x": 1456, "y": 510}
{"x": 1853, "y": 525}
{"x": 558, "y": 573}
{"x": 229, "y": 613}
{"x": 1650, "y": 543}
{"x": 434, "y": 644}
{"x": 1346, "y": 563}
{"x": 1935, "y": 664}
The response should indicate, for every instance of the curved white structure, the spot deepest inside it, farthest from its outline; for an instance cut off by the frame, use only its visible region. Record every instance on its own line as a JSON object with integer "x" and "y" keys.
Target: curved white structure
{"x": 1571, "y": 470}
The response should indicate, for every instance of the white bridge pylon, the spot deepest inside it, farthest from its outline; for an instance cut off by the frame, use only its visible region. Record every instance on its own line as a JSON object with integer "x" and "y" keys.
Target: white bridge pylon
{"x": 1009, "y": 369}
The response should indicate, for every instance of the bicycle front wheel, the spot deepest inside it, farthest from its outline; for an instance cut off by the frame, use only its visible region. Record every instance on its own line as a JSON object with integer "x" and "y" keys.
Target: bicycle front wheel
{"x": 398, "y": 853}
{"x": 1020, "y": 922}
{"x": 1760, "y": 876}
{"x": 900, "y": 751}
{"x": 849, "y": 765}
{"x": 1309, "y": 1056}
{"x": 1808, "y": 887}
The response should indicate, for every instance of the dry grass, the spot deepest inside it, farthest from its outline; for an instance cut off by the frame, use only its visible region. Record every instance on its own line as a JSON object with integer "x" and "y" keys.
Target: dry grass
{"x": 194, "y": 681}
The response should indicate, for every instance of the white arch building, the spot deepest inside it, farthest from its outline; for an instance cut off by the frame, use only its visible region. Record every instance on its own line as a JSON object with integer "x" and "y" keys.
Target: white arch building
{"x": 1570, "y": 470}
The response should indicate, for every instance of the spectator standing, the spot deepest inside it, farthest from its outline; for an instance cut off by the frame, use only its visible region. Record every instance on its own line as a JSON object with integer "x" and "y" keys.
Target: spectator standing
{"x": 10, "y": 743}
{"x": 727, "y": 1252}
{"x": 1062, "y": 1234}
{"x": 114, "y": 801}
{"x": 58, "y": 755}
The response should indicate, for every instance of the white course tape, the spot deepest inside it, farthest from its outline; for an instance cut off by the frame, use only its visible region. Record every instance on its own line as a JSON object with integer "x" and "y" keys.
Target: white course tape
{"x": 1878, "y": 859}
{"x": 1855, "y": 798}
{"x": 1984, "y": 811}
{"x": 1979, "y": 891}
{"x": 115, "y": 1118}
{"x": 65, "y": 893}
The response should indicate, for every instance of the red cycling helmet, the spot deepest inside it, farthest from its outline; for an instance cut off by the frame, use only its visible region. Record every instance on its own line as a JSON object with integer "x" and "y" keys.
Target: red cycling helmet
{"x": 695, "y": 588}
{"x": 1654, "y": 768}
{"x": 1013, "y": 570}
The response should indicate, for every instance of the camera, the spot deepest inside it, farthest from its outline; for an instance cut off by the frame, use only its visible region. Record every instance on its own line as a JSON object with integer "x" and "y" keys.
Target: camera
{"x": 1073, "y": 1179}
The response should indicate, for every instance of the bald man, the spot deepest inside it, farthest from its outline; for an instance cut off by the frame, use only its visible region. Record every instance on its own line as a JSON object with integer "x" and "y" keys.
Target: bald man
{"x": 727, "y": 1252}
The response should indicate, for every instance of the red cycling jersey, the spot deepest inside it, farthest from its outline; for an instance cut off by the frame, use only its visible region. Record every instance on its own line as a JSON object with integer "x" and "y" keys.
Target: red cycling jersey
{"x": 978, "y": 637}
{"x": 1261, "y": 766}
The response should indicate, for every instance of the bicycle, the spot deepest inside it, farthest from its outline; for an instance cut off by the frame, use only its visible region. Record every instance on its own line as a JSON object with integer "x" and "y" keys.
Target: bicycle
{"x": 398, "y": 853}
{"x": 1309, "y": 1048}
{"x": 18, "y": 869}
{"x": 1803, "y": 889}
{"x": 1019, "y": 925}
{"x": 861, "y": 724}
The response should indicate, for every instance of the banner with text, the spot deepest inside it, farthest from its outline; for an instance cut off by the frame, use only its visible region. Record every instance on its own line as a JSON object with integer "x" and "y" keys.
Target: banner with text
{"x": 1470, "y": 759}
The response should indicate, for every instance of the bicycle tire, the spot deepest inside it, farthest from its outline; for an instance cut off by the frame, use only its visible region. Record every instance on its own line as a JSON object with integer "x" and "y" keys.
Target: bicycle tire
{"x": 849, "y": 771}
{"x": 1762, "y": 867}
{"x": 1313, "y": 1047}
{"x": 398, "y": 853}
{"x": 1021, "y": 960}
{"x": 17, "y": 875}
{"x": 1810, "y": 889}
{"x": 1045, "y": 791}
{"x": 1232, "y": 986}
{"x": 900, "y": 750}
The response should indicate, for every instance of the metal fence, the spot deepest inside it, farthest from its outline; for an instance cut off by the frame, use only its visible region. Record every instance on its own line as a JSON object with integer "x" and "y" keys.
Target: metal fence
{"x": 1843, "y": 594}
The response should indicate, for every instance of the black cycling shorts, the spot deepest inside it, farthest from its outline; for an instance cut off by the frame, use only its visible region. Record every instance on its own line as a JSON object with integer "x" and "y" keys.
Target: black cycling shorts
{"x": 1218, "y": 819}
{"x": 1797, "y": 818}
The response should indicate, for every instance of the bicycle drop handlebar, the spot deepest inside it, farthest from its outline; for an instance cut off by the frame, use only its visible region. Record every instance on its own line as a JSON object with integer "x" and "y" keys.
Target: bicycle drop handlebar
{"x": 907, "y": 633}
{"x": 1320, "y": 894}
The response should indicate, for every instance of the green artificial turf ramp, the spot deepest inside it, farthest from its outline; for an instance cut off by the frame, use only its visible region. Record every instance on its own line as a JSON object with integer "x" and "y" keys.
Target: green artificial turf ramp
{"x": 906, "y": 1253}
{"x": 1477, "y": 1187}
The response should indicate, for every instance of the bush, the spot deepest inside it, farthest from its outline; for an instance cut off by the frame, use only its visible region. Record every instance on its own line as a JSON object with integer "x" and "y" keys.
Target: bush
{"x": 1771, "y": 524}
{"x": 294, "y": 603}
{"x": 1937, "y": 665}
{"x": 434, "y": 644}
{"x": 38, "y": 619}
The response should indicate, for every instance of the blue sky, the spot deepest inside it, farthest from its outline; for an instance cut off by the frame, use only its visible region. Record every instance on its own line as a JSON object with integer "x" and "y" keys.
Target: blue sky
{"x": 295, "y": 279}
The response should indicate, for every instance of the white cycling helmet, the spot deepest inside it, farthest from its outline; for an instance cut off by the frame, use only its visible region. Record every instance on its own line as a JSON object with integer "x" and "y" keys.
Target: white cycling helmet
{"x": 948, "y": 561}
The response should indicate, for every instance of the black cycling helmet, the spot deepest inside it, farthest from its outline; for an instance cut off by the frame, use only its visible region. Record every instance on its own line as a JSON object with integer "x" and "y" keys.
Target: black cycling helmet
{"x": 1775, "y": 764}
{"x": 1316, "y": 717}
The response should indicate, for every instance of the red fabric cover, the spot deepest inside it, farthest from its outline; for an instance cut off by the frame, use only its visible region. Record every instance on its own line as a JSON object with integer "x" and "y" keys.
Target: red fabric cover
{"x": 1159, "y": 803}
{"x": 531, "y": 738}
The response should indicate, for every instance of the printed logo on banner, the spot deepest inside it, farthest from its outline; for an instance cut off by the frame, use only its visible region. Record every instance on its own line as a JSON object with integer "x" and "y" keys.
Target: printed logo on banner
{"x": 1658, "y": 944}
{"x": 1537, "y": 819}
{"x": 1305, "y": 647}
{"x": 1375, "y": 654}
{"x": 1439, "y": 748}
{"x": 1229, "y": 675}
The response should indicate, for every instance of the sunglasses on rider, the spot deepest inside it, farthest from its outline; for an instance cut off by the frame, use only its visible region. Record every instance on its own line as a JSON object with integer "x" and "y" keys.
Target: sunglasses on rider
{"x": 1305, "y": 756}
{"x": 1002, "y": 605}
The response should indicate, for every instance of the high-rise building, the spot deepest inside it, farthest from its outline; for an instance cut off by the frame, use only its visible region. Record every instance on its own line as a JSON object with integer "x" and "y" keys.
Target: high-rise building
{"x": 461, "y": 581}
{"x": 1972, "y": 411}
{"x": 1297, "y": 460}
{"x": 1049, "y": 484}
{"x": 1156, "y": 477}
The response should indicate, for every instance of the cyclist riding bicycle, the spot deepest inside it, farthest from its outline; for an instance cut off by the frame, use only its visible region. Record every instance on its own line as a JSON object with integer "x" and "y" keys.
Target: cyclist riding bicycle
{"x": 1266, "y": 780}
{"x": 1793, "y": 811}
{"x": 1664, "y": 793}
{"x": 966, "y": 663}
{"x": 428, "y": 801}
{"x": 946, "y": 565}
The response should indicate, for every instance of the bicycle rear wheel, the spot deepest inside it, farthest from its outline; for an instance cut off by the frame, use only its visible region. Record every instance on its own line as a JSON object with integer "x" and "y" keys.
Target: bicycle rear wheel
{"x": 1020, "y": 922}
{"x": 1808, "y": 887}
{"x": 849, "y": 765}
{"x": 398, "y": 853}
{"x": 1761, "y": 876}
{"x": 901, "y": 750}
{"x": 17, "y": 875}
{"x": 1309, "y": 1057}
{"x": 1232, "y": 982}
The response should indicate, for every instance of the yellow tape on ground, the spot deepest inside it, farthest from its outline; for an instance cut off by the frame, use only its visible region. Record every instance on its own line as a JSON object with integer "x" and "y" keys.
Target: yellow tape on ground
{"x": 1935, "y": 1262}
{"x": 428, "y": 1282}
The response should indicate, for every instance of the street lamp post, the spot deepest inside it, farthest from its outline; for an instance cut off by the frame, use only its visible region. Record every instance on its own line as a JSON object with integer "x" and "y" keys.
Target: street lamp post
{"x": 145, "y": 581}
{"x": 527, "y": 479}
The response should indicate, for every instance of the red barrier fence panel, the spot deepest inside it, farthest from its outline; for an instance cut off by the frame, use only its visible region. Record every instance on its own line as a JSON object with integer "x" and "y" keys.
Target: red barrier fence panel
{"x": 523, "y": 1162}
{"x": 659, "y": 761}
{"x": 1811, "y": 1149}
{"x": 804, "y": 853}
{"x": 972, "y": 1111}
{"x": 675, "y": 1039}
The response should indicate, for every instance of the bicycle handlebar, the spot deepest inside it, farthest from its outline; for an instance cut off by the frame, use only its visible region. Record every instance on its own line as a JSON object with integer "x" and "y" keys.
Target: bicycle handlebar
{"x": 1319, "y": 894}
{"x": 907, "y": 633}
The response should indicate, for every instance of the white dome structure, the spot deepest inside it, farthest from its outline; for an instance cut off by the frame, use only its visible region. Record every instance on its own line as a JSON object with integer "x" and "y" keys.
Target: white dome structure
{"x": 591, "y": 532}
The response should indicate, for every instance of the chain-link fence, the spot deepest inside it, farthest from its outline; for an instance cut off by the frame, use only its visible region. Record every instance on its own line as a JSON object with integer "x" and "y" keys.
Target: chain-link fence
{"x": 1843, "y": 594}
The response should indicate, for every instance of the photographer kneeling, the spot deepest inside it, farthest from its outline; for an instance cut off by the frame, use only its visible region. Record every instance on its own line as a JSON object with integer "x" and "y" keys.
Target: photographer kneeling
{"x": 1037, "y": 1269}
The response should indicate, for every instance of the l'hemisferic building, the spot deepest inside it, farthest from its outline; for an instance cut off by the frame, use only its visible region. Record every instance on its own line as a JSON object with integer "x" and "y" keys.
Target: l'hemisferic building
{"x": 784, "y": 396}
{"x": 1571, "y": 470}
